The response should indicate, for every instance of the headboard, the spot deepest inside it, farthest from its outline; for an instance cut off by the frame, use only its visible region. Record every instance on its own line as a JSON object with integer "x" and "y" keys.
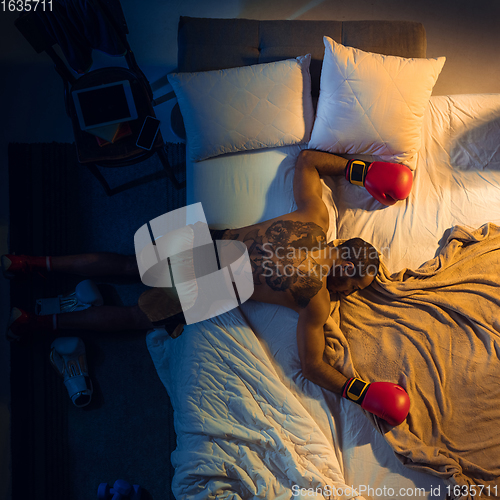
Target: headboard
{"x": 208, "y": 44}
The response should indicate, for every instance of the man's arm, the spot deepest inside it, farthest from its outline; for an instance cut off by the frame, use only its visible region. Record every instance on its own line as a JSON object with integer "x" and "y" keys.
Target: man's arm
{"x": 311, "y": 344}
{"x": 386, "y": 182}
{"x": 312, "y": 164}
{"x": 325, "y": 163}
{"x": 384, "y": 399}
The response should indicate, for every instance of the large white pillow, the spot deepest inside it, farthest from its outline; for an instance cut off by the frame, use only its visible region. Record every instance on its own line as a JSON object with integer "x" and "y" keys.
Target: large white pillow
{"x": 371, "y": 103}
{"x": 240, "y": 109}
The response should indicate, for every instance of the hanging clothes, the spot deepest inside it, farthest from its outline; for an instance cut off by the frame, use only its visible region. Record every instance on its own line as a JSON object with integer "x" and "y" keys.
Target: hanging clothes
{"x": 79, "y": 27}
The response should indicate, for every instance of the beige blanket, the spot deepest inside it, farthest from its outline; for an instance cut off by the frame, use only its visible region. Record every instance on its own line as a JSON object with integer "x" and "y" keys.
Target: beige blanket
{"x": 436, "y": 332}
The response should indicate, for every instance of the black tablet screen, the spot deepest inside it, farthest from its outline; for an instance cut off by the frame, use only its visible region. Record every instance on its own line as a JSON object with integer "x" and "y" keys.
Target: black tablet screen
{"x": 104, "y": 105}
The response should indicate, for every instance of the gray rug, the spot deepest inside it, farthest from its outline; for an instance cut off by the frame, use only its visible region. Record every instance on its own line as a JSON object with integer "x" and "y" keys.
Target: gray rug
{"x": 59, "y": 451}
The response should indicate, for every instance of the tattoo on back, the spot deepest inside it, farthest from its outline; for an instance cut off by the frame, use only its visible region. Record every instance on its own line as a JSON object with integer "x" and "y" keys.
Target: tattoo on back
{"x": 295, "y": 234}
{"x": 281, "y": 258}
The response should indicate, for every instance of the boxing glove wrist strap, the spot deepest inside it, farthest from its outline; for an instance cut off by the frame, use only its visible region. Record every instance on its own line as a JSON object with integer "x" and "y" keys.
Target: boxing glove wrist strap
{"x": 355, "y": 390}
{"x": 356, "y": 170}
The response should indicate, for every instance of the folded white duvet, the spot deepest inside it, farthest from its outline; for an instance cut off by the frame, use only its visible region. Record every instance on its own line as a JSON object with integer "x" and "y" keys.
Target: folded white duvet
{"x": 241, "y": 433}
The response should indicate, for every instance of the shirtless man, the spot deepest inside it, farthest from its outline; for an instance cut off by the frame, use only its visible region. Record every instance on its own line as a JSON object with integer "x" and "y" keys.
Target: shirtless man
{"x": 292, "y": 266}
{"x": 305, "y": 280}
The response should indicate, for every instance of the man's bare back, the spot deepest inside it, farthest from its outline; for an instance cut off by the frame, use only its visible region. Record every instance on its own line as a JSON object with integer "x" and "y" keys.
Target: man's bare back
{"x": 287, "y": 255}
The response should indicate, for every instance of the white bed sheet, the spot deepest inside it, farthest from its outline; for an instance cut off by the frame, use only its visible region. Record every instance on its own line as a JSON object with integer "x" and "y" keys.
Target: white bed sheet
{"x": 457, "y": 181}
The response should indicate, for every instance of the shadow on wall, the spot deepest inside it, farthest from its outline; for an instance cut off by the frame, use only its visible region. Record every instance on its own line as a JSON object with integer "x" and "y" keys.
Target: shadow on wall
{"x": 478, "y": 148}
{"x": 463, "y": 31}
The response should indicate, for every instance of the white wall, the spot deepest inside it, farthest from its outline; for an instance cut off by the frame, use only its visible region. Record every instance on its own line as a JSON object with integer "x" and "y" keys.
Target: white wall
{"x": 31, "y": 105}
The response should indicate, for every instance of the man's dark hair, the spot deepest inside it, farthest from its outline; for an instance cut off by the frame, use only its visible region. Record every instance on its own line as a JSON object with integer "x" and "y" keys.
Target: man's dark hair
{"x": 362, "y": 254}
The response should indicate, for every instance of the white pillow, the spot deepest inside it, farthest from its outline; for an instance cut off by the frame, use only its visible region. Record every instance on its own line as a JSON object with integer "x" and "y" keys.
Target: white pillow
{"x": 371, "y": 103}
{"x": 241, "y": 109}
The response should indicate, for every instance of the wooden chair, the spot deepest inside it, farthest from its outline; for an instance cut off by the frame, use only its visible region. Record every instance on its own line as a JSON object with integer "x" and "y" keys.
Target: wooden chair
{"x": 124, "y": 151}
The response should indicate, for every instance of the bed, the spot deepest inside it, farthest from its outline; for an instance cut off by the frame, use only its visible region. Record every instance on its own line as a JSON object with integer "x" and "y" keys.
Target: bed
{"x": 248, "y": 424}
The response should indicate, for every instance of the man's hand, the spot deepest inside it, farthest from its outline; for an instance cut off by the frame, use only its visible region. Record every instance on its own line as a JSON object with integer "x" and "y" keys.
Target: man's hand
{"x": 386, "y": 182}
{"x": 384, "y": 399}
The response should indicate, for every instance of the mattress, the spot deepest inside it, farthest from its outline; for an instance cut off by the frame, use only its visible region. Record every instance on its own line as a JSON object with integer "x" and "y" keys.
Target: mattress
{"x": 257, "y": 186}
{"x": 457, "y": 181}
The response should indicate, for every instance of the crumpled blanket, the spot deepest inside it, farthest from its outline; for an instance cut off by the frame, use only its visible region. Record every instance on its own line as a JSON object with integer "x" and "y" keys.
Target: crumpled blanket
{"x": 436, "y": 332}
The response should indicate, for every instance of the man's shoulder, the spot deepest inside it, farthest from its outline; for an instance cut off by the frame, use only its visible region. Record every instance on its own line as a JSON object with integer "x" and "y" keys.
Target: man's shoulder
{"x": 318, "y": 308}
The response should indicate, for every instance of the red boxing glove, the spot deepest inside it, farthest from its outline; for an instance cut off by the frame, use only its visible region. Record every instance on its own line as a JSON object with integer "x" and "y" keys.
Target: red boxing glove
{"x": 384, "y": 399}
{"x": 386, "y": 182}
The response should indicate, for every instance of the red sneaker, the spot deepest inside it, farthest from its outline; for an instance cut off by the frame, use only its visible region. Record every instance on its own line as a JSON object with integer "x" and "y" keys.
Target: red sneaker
{"x": 14, "y": 266}
{"x": 22, "y": 323}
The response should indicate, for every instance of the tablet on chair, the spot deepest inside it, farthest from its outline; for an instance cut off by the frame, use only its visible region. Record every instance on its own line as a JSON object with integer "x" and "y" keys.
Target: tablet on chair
{"x": 104, "y": 105}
